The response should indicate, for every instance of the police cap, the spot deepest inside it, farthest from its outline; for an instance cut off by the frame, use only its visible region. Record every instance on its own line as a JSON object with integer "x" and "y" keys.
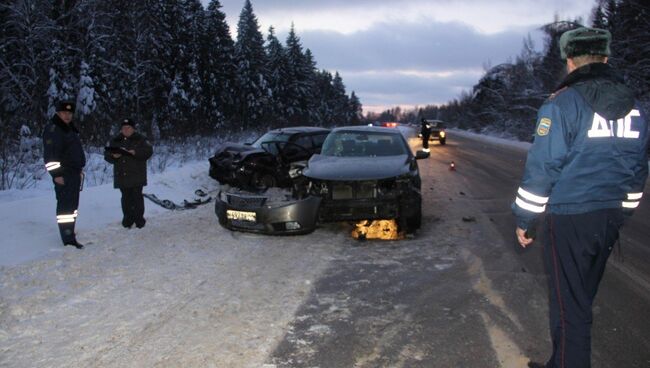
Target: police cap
{"x": 65, "y": 105}
{"x": 585, "y": 41}
{"x": 128, "y": 121}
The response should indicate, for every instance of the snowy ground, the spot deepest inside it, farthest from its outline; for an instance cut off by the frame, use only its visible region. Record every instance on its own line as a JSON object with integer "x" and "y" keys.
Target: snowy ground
{"x": 29, "y": 224}
{"x": 133, "y": 297}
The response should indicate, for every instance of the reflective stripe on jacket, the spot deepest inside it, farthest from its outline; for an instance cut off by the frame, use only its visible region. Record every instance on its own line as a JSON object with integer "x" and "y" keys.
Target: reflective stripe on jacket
{"x": 590, "y": 149}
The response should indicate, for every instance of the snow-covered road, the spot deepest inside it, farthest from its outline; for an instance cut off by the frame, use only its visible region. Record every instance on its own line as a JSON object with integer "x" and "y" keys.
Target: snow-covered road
{"x": 182, "y": 292}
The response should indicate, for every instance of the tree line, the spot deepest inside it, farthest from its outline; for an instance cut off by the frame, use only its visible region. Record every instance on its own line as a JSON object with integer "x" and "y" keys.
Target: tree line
{"x": 173, "y": 66}
{"x": 507, "y": 97}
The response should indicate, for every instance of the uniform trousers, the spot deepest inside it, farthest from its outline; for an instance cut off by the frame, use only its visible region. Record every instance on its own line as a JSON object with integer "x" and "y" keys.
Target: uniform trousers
{"x": 425, "y": 141}
{"x": 576, "y": 251}
{"x": 132, "y": 206}
{"x": 67, "y": 203}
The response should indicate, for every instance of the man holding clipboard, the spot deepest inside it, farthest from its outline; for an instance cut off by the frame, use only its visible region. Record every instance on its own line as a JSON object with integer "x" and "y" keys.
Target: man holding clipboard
{"x": 129, "y": 152}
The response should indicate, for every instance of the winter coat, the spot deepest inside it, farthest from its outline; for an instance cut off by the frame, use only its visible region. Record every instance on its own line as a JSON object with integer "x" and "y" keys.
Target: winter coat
{"x": 590, "y": 149}
{"x": 62, "y": 150}
{"x": 130, "y": 171}
{"x": 425, "y": 129}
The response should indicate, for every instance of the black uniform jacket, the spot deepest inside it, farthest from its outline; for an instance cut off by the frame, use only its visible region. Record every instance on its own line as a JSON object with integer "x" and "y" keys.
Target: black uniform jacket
{"x": 62, "y": 150}
{"x": 130, "y": 171}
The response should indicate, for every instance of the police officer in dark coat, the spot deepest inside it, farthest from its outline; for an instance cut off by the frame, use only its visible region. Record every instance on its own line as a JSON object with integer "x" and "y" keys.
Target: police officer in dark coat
{"x": 588, "y": 165}
{"x": 426, "y": 133}
{"x": 129, "y": 152}
{"x": 64, "y": 161}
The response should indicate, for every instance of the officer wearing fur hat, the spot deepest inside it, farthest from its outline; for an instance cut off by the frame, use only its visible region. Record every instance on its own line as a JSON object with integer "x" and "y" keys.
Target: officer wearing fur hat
{"x": 588, "y": 165}
{"x": 129, "y": 152}
{"x": 64, "y": 161}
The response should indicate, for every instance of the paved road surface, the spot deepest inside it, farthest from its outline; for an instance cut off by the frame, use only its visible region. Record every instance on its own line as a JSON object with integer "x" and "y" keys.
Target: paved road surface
{"x": 462, "y": 294}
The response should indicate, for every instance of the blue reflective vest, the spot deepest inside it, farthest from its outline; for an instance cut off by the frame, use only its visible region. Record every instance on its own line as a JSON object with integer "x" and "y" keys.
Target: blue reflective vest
{"x": 590, "y": 149}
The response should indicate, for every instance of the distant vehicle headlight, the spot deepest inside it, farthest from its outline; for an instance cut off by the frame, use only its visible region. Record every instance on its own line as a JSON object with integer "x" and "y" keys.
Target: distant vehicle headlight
{"x": 442, "y": 134}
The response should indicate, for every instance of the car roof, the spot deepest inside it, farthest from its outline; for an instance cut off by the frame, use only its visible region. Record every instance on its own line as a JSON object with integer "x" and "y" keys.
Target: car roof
{"x": 366, "y": 128}
{"x": 300, "y": 129}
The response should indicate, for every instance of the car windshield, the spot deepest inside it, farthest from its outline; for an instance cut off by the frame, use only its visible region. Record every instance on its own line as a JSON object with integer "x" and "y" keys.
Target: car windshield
{"x": 361, "y": 143}
{"x": 271, "y": 137}
{"x": 439, "y": 125}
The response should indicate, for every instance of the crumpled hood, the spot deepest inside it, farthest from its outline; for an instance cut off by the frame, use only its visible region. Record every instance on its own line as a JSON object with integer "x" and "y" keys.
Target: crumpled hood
{"x": 356, "y": 168}
{"x": 603, "y": 89}
{"x": 237, "y": 150}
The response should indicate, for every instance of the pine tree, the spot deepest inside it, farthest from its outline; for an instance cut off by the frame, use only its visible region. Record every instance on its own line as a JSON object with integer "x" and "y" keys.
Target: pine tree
{"x": 86, "y": 97}
{"x": 25, "y": 37}
{"x": 277, "y": 77}
{"x": 323, "y": 113}
{"x": 339, "y": 101}
{"x": 252, "y": 89}
{"x": 356, "y": 112}
{"x": 628, "y": 21}
{"x": 185, "y": 22}
{"x": 299, "y": 80}
{"x": 312, "y": 92}
{"x": 218, "y": 68}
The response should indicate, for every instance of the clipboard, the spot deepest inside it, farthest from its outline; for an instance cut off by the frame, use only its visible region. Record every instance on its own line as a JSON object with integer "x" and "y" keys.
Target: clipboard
{"x": 120, "y": 150}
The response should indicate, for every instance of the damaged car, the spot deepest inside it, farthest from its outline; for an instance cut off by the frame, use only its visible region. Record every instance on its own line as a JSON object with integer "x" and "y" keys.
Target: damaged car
{"x": 276, "y": 211}
{"x": 266, "y": 162}
{"x": 365, "y": 173}
{"x": 361, "y": 174}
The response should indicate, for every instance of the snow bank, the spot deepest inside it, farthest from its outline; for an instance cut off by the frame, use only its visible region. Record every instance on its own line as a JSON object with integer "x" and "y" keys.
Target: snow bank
{"x": 500, "y": 140}
{"x": 28, "y": 222}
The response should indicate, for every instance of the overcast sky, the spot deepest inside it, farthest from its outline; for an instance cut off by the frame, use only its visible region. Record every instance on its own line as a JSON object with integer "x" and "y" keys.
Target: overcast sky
{"x": 408, "y": 53}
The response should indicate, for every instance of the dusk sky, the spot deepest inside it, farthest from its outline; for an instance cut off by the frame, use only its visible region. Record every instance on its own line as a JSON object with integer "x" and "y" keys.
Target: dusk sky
{"x": 409, "y": 53}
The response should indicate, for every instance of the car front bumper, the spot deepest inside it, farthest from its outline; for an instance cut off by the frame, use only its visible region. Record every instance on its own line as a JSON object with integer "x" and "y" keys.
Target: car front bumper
{"x": 256, "y": 214}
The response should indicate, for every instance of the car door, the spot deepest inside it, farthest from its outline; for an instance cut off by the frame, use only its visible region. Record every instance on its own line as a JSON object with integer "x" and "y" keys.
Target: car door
{"x": 318, "y": 140}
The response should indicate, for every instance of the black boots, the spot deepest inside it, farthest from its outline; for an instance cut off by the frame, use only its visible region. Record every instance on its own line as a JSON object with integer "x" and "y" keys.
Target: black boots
{"x": 74, "y": 243}
{"x": 140, "y": 223}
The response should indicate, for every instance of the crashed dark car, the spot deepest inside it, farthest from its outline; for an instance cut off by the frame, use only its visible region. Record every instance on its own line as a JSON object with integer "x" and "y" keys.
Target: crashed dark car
{"x": 366, "y": 173}
{"x": 266, "y": 162}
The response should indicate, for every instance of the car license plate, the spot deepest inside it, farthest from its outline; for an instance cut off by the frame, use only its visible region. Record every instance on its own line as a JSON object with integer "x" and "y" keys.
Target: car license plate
{"x": 241, "y": 215}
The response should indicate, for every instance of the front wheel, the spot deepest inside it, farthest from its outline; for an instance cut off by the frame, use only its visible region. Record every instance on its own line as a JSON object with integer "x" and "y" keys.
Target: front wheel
{"x": 412, "y": 222}
{"x": 443, "y": 141}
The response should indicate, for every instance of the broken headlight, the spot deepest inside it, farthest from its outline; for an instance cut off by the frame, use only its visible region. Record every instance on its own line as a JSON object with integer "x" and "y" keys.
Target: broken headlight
{"x": 318, "y": 188}
{"x": 295, "y": 172}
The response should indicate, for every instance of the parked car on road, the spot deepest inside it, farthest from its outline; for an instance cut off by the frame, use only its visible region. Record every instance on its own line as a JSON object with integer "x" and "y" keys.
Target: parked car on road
{"x": 265, "y": 163}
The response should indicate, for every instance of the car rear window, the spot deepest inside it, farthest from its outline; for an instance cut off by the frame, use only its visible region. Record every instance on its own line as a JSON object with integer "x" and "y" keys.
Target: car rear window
{"x": 361, "y": 143}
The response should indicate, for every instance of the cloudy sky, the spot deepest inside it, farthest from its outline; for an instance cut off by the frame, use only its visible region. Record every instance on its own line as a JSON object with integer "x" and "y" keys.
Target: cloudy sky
{"x": 409, "y": 52}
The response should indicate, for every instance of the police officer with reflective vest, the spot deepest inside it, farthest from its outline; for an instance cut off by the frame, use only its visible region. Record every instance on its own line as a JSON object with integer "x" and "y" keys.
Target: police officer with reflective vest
{"x": 588, "y": 165}
{"x": 64, "y": 161}
{"x": 425, "y": 131}
{"x": 129, "y": 152}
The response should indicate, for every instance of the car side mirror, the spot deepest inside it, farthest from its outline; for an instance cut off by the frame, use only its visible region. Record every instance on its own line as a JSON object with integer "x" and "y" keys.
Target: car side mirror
{"x": 419, "y": 155}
